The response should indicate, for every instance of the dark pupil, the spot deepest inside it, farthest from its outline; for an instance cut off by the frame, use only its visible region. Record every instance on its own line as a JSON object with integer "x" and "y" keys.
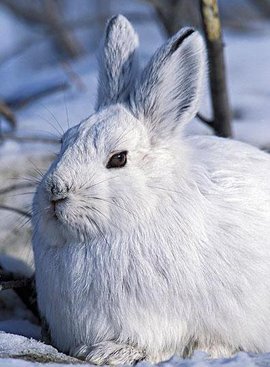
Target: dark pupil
{"x": 118, "y": 160}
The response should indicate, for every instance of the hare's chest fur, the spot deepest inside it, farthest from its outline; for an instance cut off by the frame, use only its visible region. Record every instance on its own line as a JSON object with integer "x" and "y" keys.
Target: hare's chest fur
{"x": 86, "y": 299}
{"x": 161, "y": 300}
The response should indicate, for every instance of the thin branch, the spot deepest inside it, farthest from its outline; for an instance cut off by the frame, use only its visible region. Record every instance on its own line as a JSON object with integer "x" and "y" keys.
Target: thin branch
{"x": 30, "y": 138}
{"x": 28, "y": 296}
{"x": 49, "y": 17}
{"x": 64, "y": 39}
{"x": 91, "y": 21}
{"x": 23, "y": 287}
{"x": 20, "y": 11}
{"x": 217, "y": 74}
{"x": 208, "y": 122}
{"x": 16, "y": 51}
{"x": 15, "y": 210}
{"x": 167, "y": 14}
{"x": 15, "y": 187}
{"x": 175, "y": 14}
{"x": 13, "y": 284}
{"x": 73, "y": 76}
{"x": 8, "y": 114}
{"x": 5, "y": 276}
{"x": 263, "y": 6}
{"x": 32, "y": 96}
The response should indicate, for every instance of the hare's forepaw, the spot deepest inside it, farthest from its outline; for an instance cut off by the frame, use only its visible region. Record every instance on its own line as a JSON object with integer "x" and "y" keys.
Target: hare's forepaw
{"x": 109, "y": 353}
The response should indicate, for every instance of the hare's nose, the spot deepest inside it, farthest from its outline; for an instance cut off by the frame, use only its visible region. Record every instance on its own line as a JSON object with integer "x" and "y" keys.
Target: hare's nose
{"x": 57, "y": 190}
{"x": 58, "y": 195}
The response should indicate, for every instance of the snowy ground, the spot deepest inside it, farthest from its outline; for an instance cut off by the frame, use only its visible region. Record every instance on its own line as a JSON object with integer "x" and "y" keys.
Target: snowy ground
{"x": 28, "y": 349}
{"x": 247, "y": 56}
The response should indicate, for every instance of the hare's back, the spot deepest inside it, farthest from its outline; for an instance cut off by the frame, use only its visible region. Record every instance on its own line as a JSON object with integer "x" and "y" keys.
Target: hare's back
{"x": 232, "y": 160}
{"x": 232, "y": 179}
{"x": 235, "y": 178}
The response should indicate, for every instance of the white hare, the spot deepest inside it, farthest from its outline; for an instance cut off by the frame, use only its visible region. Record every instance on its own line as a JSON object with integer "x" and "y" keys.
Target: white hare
{"x": 149, "y": 243}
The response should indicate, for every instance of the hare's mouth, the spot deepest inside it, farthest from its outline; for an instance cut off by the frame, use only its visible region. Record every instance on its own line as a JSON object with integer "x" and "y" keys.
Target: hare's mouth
{"x": 66, "y": 219}
{"x": 57, "y": 206}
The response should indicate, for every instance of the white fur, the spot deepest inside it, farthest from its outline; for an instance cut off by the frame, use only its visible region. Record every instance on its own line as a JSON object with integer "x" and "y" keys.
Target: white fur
{"x": 118, "y": 62}
{"x": 167, "y": 254}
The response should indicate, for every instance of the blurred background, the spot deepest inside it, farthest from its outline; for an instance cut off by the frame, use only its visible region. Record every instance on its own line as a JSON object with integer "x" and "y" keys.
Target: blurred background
{"x": 48, "y": 79}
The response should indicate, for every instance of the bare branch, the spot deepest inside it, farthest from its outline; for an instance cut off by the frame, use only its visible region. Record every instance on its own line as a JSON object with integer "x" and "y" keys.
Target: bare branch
{"x": 64, "y": 39}
{"x": 88, "y": 21}
{"x": 74, "y": 77}
{"x": 5, "y": 275}
{"x": 34, "y": 95}
{"x": 21, "y": 11}
{"x": 15, "y": 210}
{"x": 175, "y": 14}
{"x": 23, "y": 287}
{"x": 205, "y": 120}
{"x": 8, "y": 114}
{"x": 15, "y": 187}
{"x": 13, "y": 284}
{"x": 49, "y": 17}
{"x": 263, "y": 6}
{"x": 217, "y": 75}
{"x": 30, "y": 138}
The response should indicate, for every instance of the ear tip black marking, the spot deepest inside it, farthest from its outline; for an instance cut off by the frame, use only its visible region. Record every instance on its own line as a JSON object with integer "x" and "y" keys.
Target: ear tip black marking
{"x": 176, "y": 44}
{"x": 110, "y": 24}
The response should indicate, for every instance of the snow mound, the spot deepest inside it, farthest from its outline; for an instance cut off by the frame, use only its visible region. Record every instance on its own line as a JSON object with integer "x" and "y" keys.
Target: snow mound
{"x": 20, "y": 351}
{"x": 19, "y": 347}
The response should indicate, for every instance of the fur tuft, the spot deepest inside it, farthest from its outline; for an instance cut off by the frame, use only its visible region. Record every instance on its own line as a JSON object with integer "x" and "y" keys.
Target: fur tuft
{"x": 168, "y": 93}
{"x": 118, "y": 62}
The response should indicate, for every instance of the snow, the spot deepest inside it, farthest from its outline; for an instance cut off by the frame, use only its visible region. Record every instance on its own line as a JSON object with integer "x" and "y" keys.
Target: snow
{"x": 19, "y": 346}
{"x": 247, "y": 59}
{"x": 248, "y": 69}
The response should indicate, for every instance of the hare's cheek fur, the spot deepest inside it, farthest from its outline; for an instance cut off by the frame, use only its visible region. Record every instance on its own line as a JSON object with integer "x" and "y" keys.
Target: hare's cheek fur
{"x": 169, "y": 253}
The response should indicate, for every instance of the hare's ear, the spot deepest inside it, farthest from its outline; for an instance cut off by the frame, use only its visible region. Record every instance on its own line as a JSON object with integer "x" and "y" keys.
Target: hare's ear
{"x": 117, "y": 62}
{"x": 168, "y": 92}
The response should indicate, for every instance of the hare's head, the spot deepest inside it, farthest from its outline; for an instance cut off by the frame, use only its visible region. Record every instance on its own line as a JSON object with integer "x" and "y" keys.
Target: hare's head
{"x": 103, "y": 177}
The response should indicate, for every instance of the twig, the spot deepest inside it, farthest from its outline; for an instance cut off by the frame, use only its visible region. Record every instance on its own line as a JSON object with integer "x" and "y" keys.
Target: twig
{"x": 175, "y": 14}
{"x": 205, "y": 120}
{"x": 13, "y": 284}
{"x": 263, "y": 6}
{"x": 73, "y": 76}
{"x": 23, "y": 12}
{"x": 90, "y": 21}
{"x": 16, "y": 51}
{"x": 15, "y": 210}
{"x": 15, "y": 187}
{"x": 167, "y": 14}
{"x": 217, "y": 75}
{"x": 30, "y": 138}
{"x": 28, "y": 296}
{"x": 48, "y": 16}
{"x": 23, "y": 287}
{"x": 8, "y": 114}
{"x": 19, "y": 102}
{"x": 5, "y": 275}
{"x": 32, "y": 96}
{"x": 64, "y": 39}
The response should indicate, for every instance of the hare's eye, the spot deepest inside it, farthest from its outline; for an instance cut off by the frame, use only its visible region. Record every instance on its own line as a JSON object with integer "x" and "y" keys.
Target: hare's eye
{"x": 118, "y": 160}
